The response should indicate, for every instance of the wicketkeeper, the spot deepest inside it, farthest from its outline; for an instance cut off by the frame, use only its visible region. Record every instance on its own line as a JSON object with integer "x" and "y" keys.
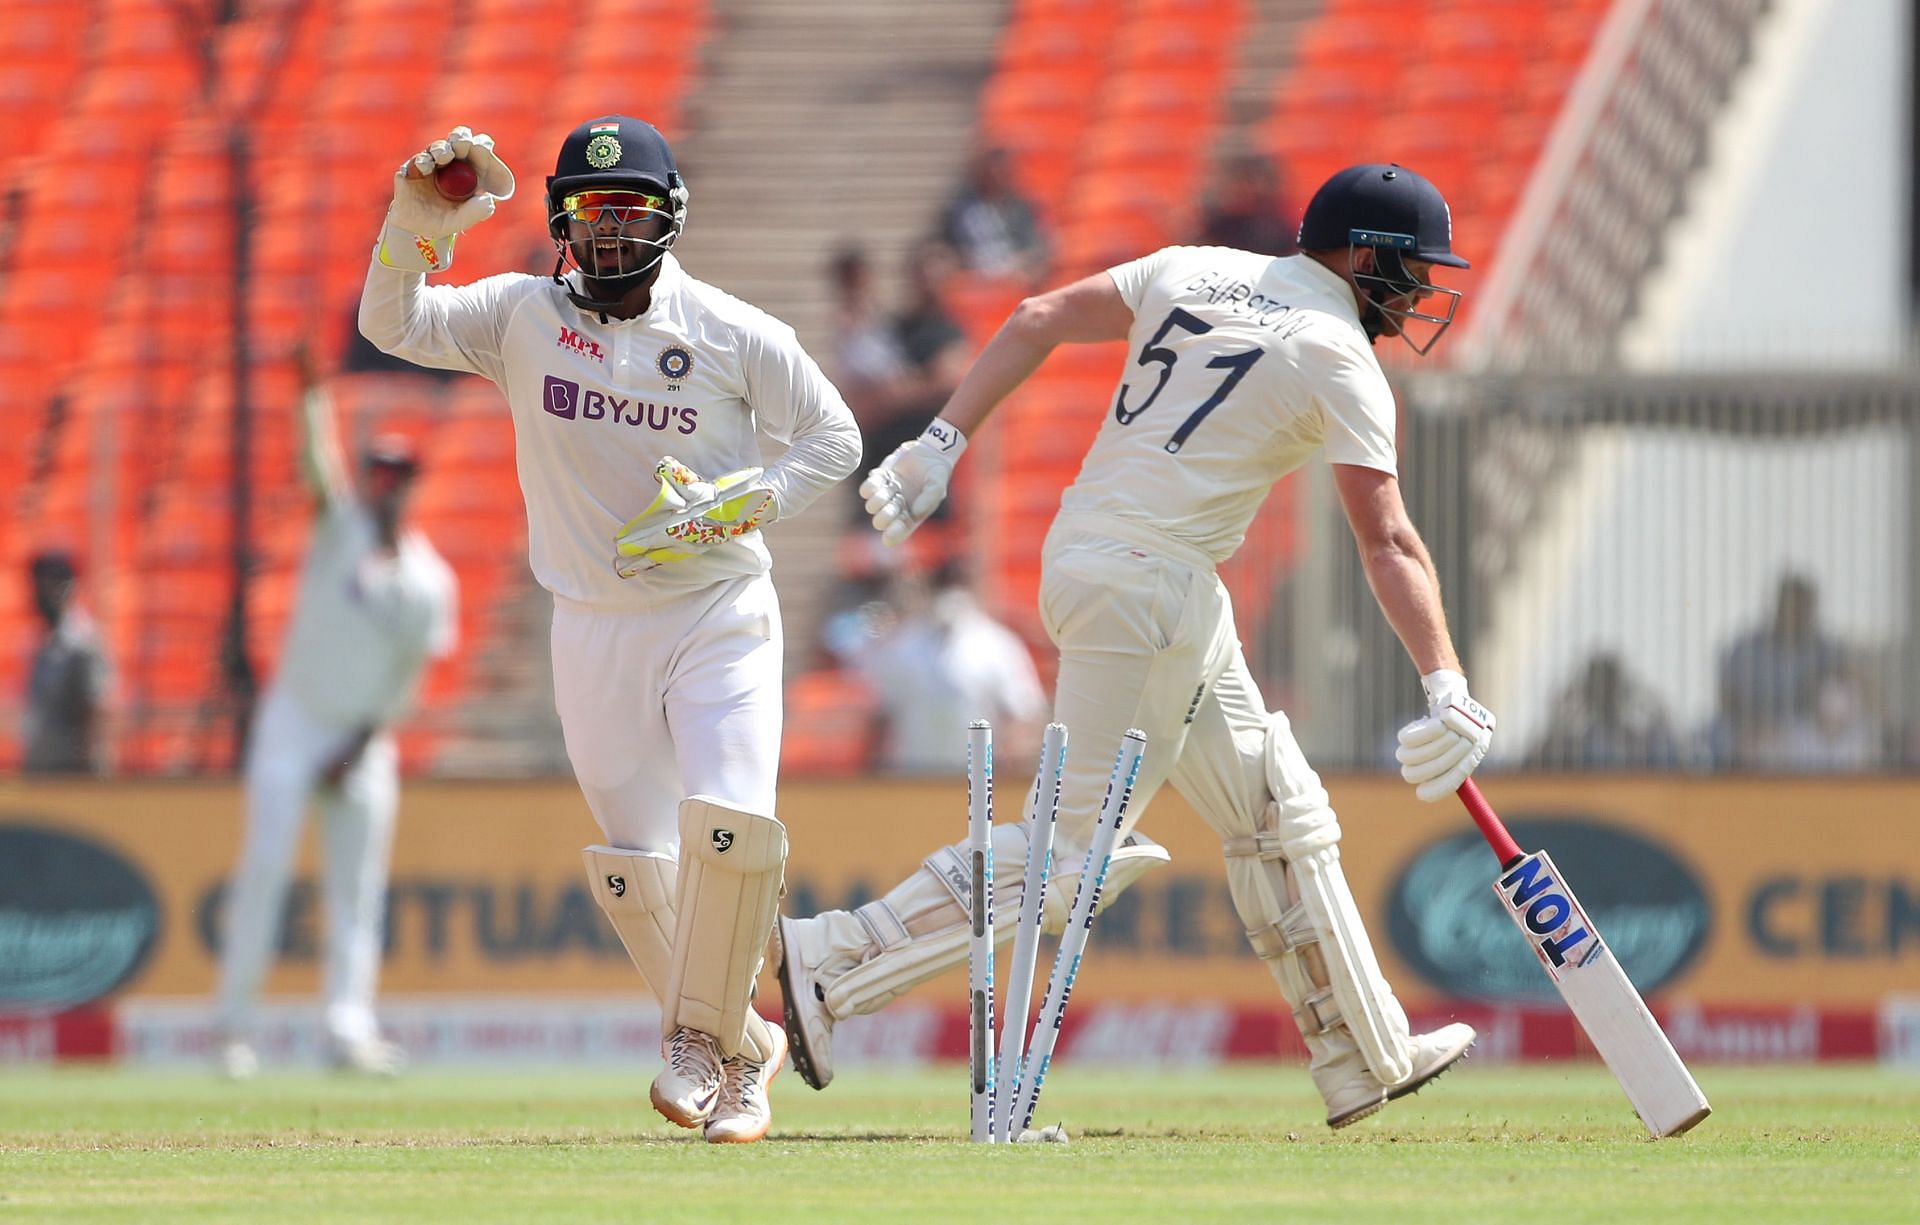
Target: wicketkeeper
{"x": 634, "y": 386}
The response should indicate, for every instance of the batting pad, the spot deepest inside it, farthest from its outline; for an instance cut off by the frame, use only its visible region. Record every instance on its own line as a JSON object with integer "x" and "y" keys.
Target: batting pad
{"x": 636, "y": 890}
{"x": 732, "y": 865}
{"x": 919, "y": 929}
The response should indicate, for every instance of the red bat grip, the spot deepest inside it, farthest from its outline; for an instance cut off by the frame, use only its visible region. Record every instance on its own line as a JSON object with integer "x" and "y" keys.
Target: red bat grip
{"x": 1488, "y": 820}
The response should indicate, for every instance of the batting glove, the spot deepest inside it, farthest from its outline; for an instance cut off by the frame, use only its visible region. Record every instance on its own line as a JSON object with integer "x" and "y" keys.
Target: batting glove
{"x": 421, "y": 223}
{"x": 912, "y": 482}
{"x": 690, "y": 515}
{"x": 1439, "y": 752}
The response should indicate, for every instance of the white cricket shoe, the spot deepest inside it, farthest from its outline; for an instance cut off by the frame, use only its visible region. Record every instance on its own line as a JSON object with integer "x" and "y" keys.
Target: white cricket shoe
{"x": 369, "y": 1056}
{"x": 686, "y": 1089}
{"x": 238, "y": 1061}
{"x": 804, "y": 1009}
{"x": 1353, "y": 1092}
{"x": 744, "y": 1110}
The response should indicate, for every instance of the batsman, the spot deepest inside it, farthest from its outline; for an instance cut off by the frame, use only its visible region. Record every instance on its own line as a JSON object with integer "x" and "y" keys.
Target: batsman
{"x": 636, "y": 388}
{"x": 1242, "y": 367}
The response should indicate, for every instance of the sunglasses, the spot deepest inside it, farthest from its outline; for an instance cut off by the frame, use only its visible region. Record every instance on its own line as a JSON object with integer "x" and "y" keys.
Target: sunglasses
{"x": 625, "y": 207}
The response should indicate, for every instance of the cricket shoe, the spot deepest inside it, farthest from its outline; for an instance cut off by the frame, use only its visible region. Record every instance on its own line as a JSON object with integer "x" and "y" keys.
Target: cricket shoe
{"x": 1359, "y": 1093}
{"x": 803, "y": 1004}
{"x": 744, "y": 1110}
{"x": 369, "y": 1056}
{"x": 687, "y": 1088}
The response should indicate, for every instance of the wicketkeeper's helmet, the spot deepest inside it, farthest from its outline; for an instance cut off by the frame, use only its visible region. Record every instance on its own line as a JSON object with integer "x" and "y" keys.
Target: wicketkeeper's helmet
{"x": 617, "y": 152}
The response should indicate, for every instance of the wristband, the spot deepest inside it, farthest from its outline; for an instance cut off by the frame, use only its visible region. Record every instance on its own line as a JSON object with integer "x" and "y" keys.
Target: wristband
{"x": 944, "y": 438}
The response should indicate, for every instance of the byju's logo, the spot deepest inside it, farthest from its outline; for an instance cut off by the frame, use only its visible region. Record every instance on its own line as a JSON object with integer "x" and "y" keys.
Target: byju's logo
{"x": 576, "y": 343}
{"x": 569, "y": 400}
{"x": 561, "y": 397}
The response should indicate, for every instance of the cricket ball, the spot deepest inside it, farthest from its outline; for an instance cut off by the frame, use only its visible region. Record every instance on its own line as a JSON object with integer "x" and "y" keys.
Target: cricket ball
{"x": 457, "y": 180}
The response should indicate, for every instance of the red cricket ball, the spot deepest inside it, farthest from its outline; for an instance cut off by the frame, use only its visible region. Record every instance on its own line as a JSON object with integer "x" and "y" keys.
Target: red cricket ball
{"x": 457, "y": 180}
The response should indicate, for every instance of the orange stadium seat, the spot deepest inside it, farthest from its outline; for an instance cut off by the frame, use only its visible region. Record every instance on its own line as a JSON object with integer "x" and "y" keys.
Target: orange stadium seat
{"x": 342, "y": 86}
{"x": 829, "y": 724}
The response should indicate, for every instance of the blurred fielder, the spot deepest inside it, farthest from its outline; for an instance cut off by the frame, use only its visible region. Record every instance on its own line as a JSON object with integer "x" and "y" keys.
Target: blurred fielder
{"x": 1242, "y": 367}
{"x": 634, "y": 386}
{"x": 375, "y": 603}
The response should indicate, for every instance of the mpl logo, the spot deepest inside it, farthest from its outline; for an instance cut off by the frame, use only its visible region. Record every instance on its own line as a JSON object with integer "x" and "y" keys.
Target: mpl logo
{"x": 574, "y": 342}
{"x": 1546, "y": 911}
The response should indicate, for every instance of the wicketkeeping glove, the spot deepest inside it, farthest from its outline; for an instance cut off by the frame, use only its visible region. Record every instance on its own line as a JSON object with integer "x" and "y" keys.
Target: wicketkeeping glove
{"x": 1439, "y": 752}
{"x": 421, "y": 223}
{"x": 911, "y": 483}
{"x": 690, "y": 515}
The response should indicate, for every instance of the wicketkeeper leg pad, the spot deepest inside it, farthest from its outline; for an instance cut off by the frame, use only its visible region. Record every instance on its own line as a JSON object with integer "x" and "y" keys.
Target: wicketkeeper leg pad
{"x": 1290, "y": 891}
{"x": 732, "y": 865}
{"x": 637, "y": 891}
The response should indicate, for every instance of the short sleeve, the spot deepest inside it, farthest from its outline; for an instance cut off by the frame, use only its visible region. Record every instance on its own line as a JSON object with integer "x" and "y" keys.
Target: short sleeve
{"x": 1135, "y": 277}
{"x": 1356, "y": 404}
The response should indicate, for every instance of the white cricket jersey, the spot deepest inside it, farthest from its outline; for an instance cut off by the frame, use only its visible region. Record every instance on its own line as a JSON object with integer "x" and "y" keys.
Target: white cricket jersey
{"x": 596, "y": 405}
{"x": 1240, "y": 367}
{"x": 367, "y": 621}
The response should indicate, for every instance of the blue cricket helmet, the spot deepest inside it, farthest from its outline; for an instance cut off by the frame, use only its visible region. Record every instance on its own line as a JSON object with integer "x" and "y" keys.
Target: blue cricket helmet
{"x": 1381, "y": 205}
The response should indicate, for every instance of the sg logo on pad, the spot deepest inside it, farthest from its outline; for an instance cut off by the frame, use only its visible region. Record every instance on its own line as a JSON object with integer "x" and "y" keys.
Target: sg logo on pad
{"x": 617, "y": 886}
{"x": 722, "y": 840}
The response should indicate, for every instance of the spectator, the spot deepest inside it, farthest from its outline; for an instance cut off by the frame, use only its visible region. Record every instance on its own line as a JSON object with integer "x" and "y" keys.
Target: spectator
{"x": 866, "y": 361}
{"x": 861, "y": 618}
{"x": 1836, "y": 731}
{"x": 932, "y": 353}
{"x": 1771, "y": 673}
{"x": 69, "y": 679}
{"x": 991, "y": 225}
{"x": 930, "y": 340}
{"x": 947, "y": 663}
{"x": 1606, "y": 720}
{"x": 1250, "y": 211}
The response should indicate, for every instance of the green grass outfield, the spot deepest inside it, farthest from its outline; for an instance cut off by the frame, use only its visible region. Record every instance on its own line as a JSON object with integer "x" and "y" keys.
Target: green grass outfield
{"x": 1486, "y": 1144}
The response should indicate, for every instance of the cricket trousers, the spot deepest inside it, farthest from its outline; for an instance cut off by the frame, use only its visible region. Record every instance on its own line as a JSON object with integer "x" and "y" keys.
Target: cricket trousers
{"x": 287, "y": 751}
{"x": 679, "y": 698}
{"x": 1146, "y": 637}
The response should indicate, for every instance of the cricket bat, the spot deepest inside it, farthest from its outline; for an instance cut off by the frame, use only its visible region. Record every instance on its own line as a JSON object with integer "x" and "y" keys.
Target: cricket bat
{"x": 1597, "y": 991}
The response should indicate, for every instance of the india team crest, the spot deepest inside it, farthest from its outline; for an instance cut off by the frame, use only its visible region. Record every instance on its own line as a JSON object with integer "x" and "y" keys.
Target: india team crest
{"x": 603, "y": 151}
{"x": 676, "y": 363}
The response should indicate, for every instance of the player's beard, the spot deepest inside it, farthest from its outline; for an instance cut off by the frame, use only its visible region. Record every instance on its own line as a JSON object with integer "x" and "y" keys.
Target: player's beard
{"x": 614, "y": 270}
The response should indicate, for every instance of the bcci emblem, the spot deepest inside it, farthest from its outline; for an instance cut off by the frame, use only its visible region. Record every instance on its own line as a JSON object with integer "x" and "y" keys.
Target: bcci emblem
{"x": 722, "y": 840}
{"x": 676, "y": 363}
{"x": 617, "y": 886}
{"x": 603, "y": 151}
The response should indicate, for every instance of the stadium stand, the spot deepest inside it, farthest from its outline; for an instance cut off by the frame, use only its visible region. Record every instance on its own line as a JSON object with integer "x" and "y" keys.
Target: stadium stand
{"x": 120, "y": 440}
